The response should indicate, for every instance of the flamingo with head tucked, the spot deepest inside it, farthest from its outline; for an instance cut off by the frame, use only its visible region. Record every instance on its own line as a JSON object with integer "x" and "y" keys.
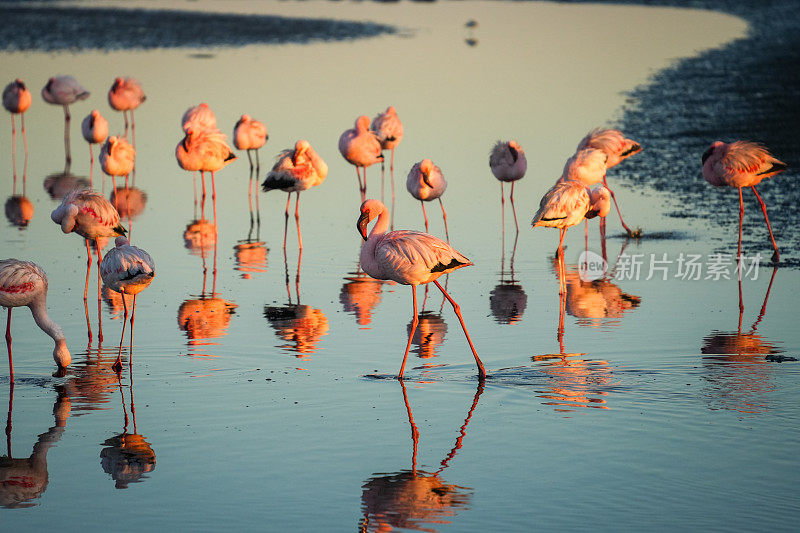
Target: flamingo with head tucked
{"x": 389, "y": 130}
{"x": 126, "y": 94}
{"x": 63, "y": 91}
{"x": 250, "y": 135}
{"x": 17, "y": 99}
{"x": 117, "y": 158}
{"x": 742, "y": 164}
{"x": 95, "y": 130}
{"x": 508, "y": 163}
{"x": 23, "y": 283}
{"x": 410, "y": 258}
{"x": 426, "y": 183}
{"x": 361, "y": 148}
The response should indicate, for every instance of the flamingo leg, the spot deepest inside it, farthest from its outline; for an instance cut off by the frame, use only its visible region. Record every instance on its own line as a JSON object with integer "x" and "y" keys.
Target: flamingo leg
{"x": 8, "y": 347}
{"x": 286, "y": 221}
{"x": 125, "y": 117}
{"x": 255, "y": 186}
{"x": 383, "y": 178}
{"x": 86, "y": 309}
{"x": 99, "y": 314}
{"x": 13, "y": 146}
{"x": 133, "y": 130}
{"x": 67, "y": 151}
{"x": 457, "y": 309}
{"x": 513, "y": 209}
{"x": 214, "y": 199}
{"x": 24, "y": 142}
{"x": 117, "y": 366}
{"x": 586, "y": 234}
{"x": 250, "y": 188}
{"x": 91, "y": 166}
{"x": 391, "y": 173}
{"x": 502, "y": 218}
{"x": 560, "y": 249}
{"x": 297, "y": 219}
{"x": 562, "y": 306}
{"x": 424, "y": 215}
{"x": 444, "y": 217}
{"x": 414, "y": 430}
{"x": 614, "y": 197}
{"x": 203, "y": 195}
{"x": 414, "y": 323}
{"x": 741, "y": 218}
{"x": 130, "y": 350}
{"x": 194, "y": 187}
{"x": 766, "y": 299}
{"x": 603, "y": 237}
{"x": 775, "y": 256}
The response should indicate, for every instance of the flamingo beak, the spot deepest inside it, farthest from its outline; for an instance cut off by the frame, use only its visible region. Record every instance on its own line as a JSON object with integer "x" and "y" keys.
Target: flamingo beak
{"x": 363, "y": 220}
{"x": 426, "y": 179}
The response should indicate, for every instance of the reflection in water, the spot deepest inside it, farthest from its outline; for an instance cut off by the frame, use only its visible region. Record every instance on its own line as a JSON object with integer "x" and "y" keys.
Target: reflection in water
{"x": 430, "y": 333}
{"x": 113, "y": 300}
{"x": 24, "y": 480}
{"x": 250, "y": 257}
{"x": 508, "y": 300}
{"x": 91, "y": 382}
{"x": 737, "y": 372}
{"x": 60, "y": 184}
{"x": 129, "y": 201}
{"x": 574, "y": 382}
{"x": 596, "y": 299}
{"x": 360, "y": 295}
{"x": 415, "y": 499}
{"x": 200, "y": 236}
{"x": 19, "y": 210}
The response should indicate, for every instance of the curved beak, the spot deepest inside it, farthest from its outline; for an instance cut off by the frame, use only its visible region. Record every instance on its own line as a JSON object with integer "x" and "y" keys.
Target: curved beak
{"x": 363, "y": 220}
{"x": 426, "y": 178}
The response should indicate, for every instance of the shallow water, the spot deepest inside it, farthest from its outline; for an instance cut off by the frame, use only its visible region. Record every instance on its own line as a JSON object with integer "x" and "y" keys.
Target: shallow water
{"x": 257, "y": 407}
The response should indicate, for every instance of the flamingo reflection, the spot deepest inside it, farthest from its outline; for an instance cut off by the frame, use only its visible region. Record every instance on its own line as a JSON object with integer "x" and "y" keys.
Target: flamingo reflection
{"x": 17, "y": 99}
{"x": 19, "y": 210}
{"x": 508, "y": 300}
{"x": 24, "y": 480}
{"x": 415, "y": 499}
{"x": 250, "y": 257}
{"x": 360, "y": 296}
{"x": 60, "y": 184}
{"x": 63, "y": 91}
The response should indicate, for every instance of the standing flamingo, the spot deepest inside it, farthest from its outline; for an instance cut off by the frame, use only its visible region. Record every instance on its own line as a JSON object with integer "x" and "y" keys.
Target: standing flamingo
{"x": 250, "y": 135}
{"x": 409, "y": 258}
{"x": 361, "y": 148}
{"x": 63, "y": 91}
{"x": 126, "y": 269}
{"x": 199, "y": 116}
{"x": 126, "y": 94}
{"x": 117, "y": 158}
{"x": 426, "y": 183}
{"x": 742, "y": 164}
{"x": 295, "y": 170}
{"x": 205, "y": 150}
{"x": 17, "y": 100}
{"x": 389, "y": 130}
{"x": 25, "y": 283}
{"x": 587, "y": 166}
{"x": 614, "y": 144}
{"x": 508, "y": 163}
{"x": 95, "y": 130}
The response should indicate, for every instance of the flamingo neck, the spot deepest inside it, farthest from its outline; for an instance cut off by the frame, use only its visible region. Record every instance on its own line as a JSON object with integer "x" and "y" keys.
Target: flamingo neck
{"x": 381, "y": 225}
{"x": 39, "y": 310}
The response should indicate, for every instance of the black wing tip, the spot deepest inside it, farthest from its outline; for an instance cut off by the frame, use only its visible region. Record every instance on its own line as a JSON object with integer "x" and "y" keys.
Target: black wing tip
{"x": 120, "y": 230}
{"x": 455, "y": 263}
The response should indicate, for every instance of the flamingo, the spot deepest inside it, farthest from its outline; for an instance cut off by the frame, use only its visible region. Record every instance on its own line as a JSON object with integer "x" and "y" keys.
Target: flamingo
{"x": 410, "y": 258}
{"x": 566, "y": 204}
{"x": 95, "y": 130}
{"x": 63, "y": 91}
{"x": 23, "y": 283}
{"x": 117, "y": 158}
{"x": 508, "y": 163}
{"x": 17, "y": 100}
{"x": 742, "y": 164}
{"x": 250, "y": 135}
{"x": 389, "y": 130}
{"x": 588, "y": 166}
{"x": 126, "y": 269}
{"x": 91, "y": 216}
{"x": 199, "y": 116}
{"x": 426, "y": 183}
{"x": 126, "y": 94}
{"x": 614, "y": 144}
{"x": 205, "y": 150}
{"x": 295, "y": 170}
{"x": 361, "y": 148}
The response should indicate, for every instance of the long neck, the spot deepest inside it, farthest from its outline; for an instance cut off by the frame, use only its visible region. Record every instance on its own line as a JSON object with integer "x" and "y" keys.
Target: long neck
{"x": 367, "y": 256}
{"x": 43, "y": 320}
{"x": 382, "y": 224}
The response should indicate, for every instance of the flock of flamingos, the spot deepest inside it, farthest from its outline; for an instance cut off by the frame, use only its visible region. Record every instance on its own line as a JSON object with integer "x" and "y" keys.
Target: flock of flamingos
{"x": 406, "y": 257}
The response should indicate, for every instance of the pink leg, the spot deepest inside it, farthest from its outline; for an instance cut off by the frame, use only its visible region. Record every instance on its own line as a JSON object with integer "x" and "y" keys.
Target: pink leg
{"x": 444, "y": 217}
{"x": 360, "y": 187}
{"x": 414, "y": 430}
{"x": 286, "y": 221}
{"x": 8, "y": 346}
{"x": 560, "y": 249}
{"x": 250, "y": 187}
{"x": 414, "y": 323}
{"x": 775, "y": 256}
{"x": 513, "y": 209}
{"x": 383, "y": 179}
{"x": 741, "y": 218}
{"x": 457, "y": 309}
{"x": 117, "y": 366}
{"x": 297, "y": 220}
{"x": 613, "y": 197}
{"x": 214, "y": 200}
{"x": 91, "y": 167}
{"x": 424, "y": 215}
{"x": 88, "y": 268}
{"x": 13, "y": 146}
{"x": 391, "y": 172}
{"x": 203, "y": 195}
{"x": 194, "y": 187}
{"x": 603, "y": 237}
{"x": 24, "y": 141}
{"x": 502, "y": 218}
{"x": 67, "y": 153}
{"x": 130, "y": 350}
{"x": 258, "y": 204}
{"x": 125, "y": 117}
{"x": 586, "y": 234}
{"x": 86, "y": 308}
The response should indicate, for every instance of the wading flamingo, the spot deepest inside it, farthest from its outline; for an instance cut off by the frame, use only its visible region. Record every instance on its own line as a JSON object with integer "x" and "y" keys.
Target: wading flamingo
{"x": 410, "y": 258}
{"x": 587, "y": 166}
{"x": 63, "y": 91}
{"x": 426, "y": 183}
{"x": 205, "y": 150}
{"x": 17, "y": 100}
{"x": 295, "y": 170}
{"x": 742, "y": 164}
{"x": 250, "y": 135}
{"x": 389, "y": 130}
{"x": 361, "y": 148}
{"x": 508, "y": 163}
{"x": 95, "y": 130}
{"x": 23, "y": 283}
{"x": 125, "y": 95}
{"x": 126, "y": 269}
{"x": 614, "y": 144}
{"x": 117, "y": 158}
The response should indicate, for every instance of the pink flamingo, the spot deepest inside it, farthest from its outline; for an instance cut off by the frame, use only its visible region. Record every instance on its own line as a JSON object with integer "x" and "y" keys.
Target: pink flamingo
{"x": 127, "y": 270}
{"x": 742, "y": 164}
{"x": 426, "y": 183}
{"x": 250, "y": 135}
{"x": 126, "y": 94}
{"x": 508, "y": 163}
{"x": 410, "y": 258}
{"x": 199, "y": 116}
{"x": 587, "y": 166}
{"x": 95, "y": 130}
{"x": 117, "y": 158}
{"x": 17, "y": 100}
{"x": 389, "y": 130}
{"x": 614, "y": 144}
{"x": 361, "y": 148}
{"x": 295, "y": 170}
{"x": 205, "y": 150}
{"x": 63, "y": 91}
{"x": 23, "y": 283}
{"x": 565, "y": 205}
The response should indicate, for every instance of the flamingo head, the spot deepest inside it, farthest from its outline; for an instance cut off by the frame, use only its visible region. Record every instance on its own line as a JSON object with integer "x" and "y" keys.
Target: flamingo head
{"x": 61, "y": 354}
{"x": 20, "y": 84}
{"x": 118, "y": 83}
{"x": 109, "y": 144}
{"x": 369, "y": 210}
{"x": 301, "y": 147}
{"x": 121, "y": 241}
{"x": 426, "y": 167}
{"x": 515, "y": 149}
{"x": 711, "y": 149}
{"x": 362, "y": 123}
{"x": 245, "y": 118}
{"x": 391, "y": 110}
{"x": 600, "y": 202}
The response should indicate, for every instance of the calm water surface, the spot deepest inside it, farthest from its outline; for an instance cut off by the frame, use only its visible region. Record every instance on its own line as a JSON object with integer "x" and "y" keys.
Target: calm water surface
{"x": 259, "y": 394}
